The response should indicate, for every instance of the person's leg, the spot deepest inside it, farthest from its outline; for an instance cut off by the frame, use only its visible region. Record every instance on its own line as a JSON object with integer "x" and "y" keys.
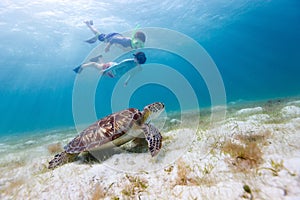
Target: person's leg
{"x": 94, "y": 30}
{"x": 98, "y": 66}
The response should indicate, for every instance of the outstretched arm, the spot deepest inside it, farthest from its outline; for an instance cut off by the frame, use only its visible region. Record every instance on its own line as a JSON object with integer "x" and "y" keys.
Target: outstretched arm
{"x": 107, "y": 47}
{"x": 127, "y": 80}
{"x": 133, "y": 72}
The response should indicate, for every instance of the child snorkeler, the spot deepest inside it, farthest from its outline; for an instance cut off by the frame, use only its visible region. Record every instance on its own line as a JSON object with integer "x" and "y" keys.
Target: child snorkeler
{"x": 118, "y": 68}
{"x": 126, "y": 43}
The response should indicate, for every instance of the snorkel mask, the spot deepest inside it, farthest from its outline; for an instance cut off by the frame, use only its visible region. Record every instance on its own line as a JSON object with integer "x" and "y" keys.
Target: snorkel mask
{"x": 136, "y": 42}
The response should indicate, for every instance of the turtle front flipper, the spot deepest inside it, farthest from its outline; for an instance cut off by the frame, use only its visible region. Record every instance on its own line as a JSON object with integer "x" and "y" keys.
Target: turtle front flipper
{"x": 60, "y": 159}
{"x": 153, "y": 138}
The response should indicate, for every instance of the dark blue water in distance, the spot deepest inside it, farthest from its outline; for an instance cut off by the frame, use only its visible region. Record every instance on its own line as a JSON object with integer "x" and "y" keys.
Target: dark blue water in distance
{"x": 254, "y": 44}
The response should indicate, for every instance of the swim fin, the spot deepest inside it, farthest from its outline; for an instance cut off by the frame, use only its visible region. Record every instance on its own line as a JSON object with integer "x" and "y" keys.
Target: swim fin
{"x": 92, "y": 40}
{"x": 96, "y": 59}
{"x": 78, "y": 69}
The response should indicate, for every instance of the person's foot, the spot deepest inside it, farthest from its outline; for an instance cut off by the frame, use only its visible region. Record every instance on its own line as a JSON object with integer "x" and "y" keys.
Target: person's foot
{"x": 88, "y": 22}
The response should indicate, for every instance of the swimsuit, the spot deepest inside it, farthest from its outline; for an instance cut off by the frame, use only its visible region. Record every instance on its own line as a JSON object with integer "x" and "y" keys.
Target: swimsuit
{"x": 125, "y": 42}
{"x": 118, "y": 71}
{"x": 115, "y": 38}
{"x": 108, "y": 65}
{"x": 107, "y": 37}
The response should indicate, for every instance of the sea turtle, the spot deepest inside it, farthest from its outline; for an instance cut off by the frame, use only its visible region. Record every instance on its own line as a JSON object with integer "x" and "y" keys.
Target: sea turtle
{"x": 114, "y": 130}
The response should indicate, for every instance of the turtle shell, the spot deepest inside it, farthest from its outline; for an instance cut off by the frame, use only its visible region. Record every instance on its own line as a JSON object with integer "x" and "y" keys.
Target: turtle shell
{"x": 104, "y": 130}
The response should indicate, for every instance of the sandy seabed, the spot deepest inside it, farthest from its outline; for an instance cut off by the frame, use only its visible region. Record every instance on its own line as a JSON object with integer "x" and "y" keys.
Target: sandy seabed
{"x": 254, "y": 153}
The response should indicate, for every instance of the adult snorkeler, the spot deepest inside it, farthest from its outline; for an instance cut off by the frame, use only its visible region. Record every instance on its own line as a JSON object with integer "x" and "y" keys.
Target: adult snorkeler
{"x": 113, "y": 69}
{"x": 126, "y": 43}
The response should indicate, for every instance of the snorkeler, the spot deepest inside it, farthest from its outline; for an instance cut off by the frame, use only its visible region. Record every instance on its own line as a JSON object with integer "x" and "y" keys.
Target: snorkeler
{"x": 137, "y": 41}
{"x": 113, "y": 69}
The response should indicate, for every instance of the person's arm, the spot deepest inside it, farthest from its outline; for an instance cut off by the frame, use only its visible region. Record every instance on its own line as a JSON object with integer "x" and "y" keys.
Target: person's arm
{"x": 108, "y": 47}
{"x": 113, "y": 40}
{"x": 133, "y": 72}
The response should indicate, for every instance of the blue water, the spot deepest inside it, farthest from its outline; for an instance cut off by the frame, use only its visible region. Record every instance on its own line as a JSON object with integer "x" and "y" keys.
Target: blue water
{"x": 254, "y": 44}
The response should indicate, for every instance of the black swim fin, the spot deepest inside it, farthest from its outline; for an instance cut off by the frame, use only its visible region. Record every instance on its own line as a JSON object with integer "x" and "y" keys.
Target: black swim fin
{"x": 78, "y": 69}
{"x": 92, "y": 40}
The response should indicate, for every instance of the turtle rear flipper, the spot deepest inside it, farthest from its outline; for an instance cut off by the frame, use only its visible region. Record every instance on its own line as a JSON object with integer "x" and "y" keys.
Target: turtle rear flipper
{"x": 153, "y": 138}
{"x": 60, "y": 159}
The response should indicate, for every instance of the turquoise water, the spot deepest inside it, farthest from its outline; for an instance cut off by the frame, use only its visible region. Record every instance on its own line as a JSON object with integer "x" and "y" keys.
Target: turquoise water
{"x": 254, "y": 44}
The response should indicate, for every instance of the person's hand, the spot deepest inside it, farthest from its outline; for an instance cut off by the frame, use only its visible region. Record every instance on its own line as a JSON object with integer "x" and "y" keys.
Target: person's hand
{"x": 106, "y": 49}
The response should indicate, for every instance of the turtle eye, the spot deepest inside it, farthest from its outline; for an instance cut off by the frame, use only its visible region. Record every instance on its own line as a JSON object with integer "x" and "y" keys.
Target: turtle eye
{"x": 161, "y": 106}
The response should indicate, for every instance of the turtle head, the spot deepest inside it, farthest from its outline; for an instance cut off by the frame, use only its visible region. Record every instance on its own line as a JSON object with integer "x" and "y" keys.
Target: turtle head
{"x": 152, "y": 111}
